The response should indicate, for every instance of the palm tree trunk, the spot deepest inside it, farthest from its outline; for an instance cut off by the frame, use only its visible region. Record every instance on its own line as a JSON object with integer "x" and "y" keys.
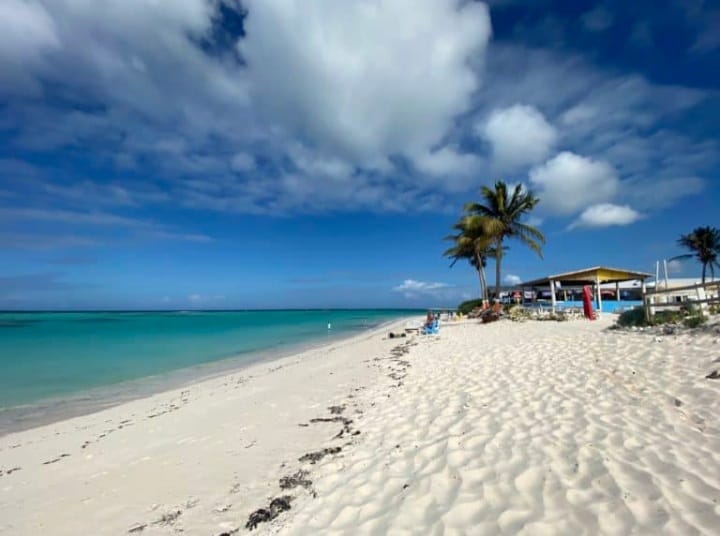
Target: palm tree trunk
{"x": 485, "y": 285}
{"x": 482, "y": 286}
{"x": 481, "y": 275}
{"x": 703, "y": 272}
{"x": 498, "y": 261}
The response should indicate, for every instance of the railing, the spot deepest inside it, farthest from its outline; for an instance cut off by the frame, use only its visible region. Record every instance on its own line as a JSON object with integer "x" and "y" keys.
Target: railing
{"x": 703, "y": 297}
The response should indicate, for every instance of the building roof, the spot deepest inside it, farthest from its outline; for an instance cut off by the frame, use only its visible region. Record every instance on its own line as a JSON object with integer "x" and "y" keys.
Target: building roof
{"x": 589, "y": 276}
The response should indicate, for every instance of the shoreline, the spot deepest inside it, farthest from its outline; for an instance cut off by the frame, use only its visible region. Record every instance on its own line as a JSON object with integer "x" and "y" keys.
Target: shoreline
{"x": 214, "y": 449}
{"x": 47, "y": 411}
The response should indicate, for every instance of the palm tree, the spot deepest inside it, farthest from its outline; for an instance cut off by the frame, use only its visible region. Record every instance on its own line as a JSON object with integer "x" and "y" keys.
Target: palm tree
{"x": 502, "y": 213}
{"x": 704, "y": 242}
{"x": 473, "y": 244}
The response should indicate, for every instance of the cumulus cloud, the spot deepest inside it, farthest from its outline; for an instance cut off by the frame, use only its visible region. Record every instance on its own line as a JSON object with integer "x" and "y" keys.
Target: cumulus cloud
{"x": 606, "y": 215}
{"x": 519, "y": 135}
{"x": 364, "y": 79}
{"x": 512, "y": 279}
{"x": 569, "y": 182}
{"x": 363, "y": 105}
{"x": 412, "y": 288}
{"x": 456, "y": 169}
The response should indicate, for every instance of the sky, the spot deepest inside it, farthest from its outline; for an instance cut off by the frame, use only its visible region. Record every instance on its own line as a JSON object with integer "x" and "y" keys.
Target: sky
{"x": 314, "y": 153}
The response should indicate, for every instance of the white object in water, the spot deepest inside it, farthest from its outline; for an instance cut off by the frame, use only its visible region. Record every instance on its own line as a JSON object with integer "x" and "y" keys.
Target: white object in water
{"x": 329, "y": 325}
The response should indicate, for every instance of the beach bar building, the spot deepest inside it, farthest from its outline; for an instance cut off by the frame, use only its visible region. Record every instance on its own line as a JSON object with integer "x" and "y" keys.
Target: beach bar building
{"x": 622, "y": 288}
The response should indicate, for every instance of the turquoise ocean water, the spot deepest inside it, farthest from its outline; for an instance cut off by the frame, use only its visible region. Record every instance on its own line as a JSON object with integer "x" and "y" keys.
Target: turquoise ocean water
{"x": 50, "y": 357}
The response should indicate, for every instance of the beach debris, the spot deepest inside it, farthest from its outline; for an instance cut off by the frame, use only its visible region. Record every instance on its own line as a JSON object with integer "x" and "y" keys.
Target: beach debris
{"x": 314, "y": 457}
{"x": 9, "y": 471}
{"x": 229, "y": 532}
{"x": 346, "y": 429}
{"x": 714, "y": 375}
{"x": 55, "y": 460}
{"x": 222, "y": 508}
{"x": 137, "y": 527}
{"x": 251, "y": 444}
{"x": 168, "y": 518}
{"x": 262, "y": 515}
{"x": 336, "y": 410}
{"x": 298, "y": 479}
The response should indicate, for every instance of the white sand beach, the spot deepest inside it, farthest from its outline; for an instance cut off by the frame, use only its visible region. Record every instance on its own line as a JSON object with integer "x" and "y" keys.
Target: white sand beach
{"x": 506, "y": 428}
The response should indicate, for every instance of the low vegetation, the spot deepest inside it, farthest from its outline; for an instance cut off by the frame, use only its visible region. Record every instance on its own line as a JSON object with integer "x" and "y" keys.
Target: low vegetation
{"x": 467, "y": 306}
{"x": 689, "y": 316}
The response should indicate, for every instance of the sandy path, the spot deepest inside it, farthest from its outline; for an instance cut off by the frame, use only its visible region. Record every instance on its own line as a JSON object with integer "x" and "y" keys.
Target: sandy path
{"x": 533, "y": 428}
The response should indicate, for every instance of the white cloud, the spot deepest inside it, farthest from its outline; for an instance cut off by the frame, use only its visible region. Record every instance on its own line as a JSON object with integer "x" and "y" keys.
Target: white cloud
{"x": 578, "y": 114}
{"x": 674, "y": 266}
{"x": 606, "y": 215}
{"x": 456, "y": 170}
{"x": 197, "y": 299}
{"x": 512, "y": 279}
{"x": 419, "y": 286}
{"x": 355, "y": 105}
{"x": 412, "y": 288}
{"x": 317, "y": 165}
{"x": 243, "y": 162}
{"x": 364, "y": 79}
{"x": 27, "y": 31}
{"x": 568, "y": 182}
{"x": 519, "y": 135}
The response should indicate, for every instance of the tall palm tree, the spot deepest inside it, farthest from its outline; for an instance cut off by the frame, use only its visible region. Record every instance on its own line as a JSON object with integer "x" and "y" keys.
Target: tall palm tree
{"x": 473, "y": 244}
{"x": 704, "y": 243}
{"x": 503, "y": 213}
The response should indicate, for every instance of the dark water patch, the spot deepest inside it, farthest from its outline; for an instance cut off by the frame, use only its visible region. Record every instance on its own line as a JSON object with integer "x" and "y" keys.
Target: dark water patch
{"x": 18, "y": 323}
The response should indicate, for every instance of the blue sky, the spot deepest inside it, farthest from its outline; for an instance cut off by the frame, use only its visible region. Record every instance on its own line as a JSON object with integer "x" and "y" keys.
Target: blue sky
{"x": 288, "y": 153}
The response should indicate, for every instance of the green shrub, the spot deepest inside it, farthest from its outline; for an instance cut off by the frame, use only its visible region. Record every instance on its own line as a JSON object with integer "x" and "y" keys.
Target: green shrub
{"x": 668, "y": 317}
{"x": 632, "y": 317}
{"x": 714, "y": 309}
{"x": 467, "y": 306}
{"x": 694, "y": 321}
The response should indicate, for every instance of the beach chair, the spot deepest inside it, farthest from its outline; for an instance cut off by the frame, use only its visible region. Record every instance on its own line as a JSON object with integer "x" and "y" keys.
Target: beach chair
{"x": 434, "y": 328}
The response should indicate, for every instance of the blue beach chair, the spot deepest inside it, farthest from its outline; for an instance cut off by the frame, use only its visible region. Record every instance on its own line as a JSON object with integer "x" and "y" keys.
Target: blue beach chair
{"x": 433, "y": 328}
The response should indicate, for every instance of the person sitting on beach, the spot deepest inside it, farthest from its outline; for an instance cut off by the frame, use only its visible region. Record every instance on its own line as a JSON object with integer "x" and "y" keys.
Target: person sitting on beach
{"x": 429, "y": 319}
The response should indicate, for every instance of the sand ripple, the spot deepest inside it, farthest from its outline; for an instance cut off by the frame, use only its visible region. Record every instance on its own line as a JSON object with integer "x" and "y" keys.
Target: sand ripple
{"x": 535, "y": 428}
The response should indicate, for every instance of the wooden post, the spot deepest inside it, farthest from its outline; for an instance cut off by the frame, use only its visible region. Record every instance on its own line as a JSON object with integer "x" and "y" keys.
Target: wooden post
{"x": 646, "y": 303}
{"x": 552, "y": 295}
{"x": 701, "y": 298}
{"x": 617, "y": 291}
